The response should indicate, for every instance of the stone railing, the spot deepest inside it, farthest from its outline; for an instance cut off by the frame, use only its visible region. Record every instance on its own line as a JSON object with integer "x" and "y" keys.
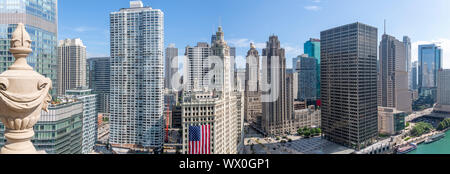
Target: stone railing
{"x": 23, "y": 94}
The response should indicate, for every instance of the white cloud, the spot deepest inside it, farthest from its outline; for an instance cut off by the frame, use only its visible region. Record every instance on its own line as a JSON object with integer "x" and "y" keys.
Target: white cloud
{"x": 292, "y": 51}
{"x": 312, "y": 8}
{"x": 244, "y": 43}
{"x": 83, "y": 29}
{"x": 443, "y": 42}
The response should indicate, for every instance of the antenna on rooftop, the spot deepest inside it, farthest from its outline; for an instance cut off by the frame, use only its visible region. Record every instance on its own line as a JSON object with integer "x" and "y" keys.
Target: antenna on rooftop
{"x": 384, "y": 26}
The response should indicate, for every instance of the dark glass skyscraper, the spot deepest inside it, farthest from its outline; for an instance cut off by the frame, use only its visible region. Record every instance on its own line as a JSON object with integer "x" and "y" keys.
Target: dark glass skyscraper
{"x": 41, "y": 22}
{"x": 430, "y": 61}
{"x": 99, "y": 81}
{"x": 306, "y": 67}
{"x": 312, "y": 48}
{"x": 349, "y": 84}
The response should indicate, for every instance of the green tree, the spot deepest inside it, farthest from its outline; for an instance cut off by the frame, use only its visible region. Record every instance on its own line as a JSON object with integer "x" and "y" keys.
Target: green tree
{"x": 300, "y": 132}
{"x": 307, "y": 133}
{"x": 421, "y": 128}
{"x": 305, "y": 129}
{"x": 319, "y": 130}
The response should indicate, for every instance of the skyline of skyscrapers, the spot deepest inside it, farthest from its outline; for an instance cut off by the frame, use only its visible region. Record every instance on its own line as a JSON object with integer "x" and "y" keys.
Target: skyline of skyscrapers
{"x": 393, "y": 85}
{"x": 137, "y": 77}
{"x": 132, "y": 90}
{"x": 215, "y": 109}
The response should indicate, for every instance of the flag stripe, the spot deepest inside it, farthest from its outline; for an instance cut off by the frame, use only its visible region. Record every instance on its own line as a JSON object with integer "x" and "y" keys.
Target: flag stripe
{"x": 199, "y": 139}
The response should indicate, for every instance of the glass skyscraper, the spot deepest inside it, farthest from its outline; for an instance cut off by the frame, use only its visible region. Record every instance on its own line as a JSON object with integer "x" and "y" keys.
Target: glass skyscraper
{"x": 307, "y": 78}
{"x": 430, "y": 61}
{"x": 41, "y": 22}
{"x": 99, "y": 81}
{"x": 312, "y": 48}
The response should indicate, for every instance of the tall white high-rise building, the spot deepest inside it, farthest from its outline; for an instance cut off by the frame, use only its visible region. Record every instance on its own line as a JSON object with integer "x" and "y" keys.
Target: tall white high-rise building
{"x": 137, "y": 77}
{"x": 71, "y": 65}
{"x": 196, "y": 66}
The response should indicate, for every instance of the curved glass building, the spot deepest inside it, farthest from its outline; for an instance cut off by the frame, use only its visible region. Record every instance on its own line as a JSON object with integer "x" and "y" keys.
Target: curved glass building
{"x": 41, "y": 21}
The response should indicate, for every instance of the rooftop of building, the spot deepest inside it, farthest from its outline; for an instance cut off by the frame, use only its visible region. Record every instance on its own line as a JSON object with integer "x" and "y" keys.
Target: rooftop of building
{"x": 342, "y": 26}
{"x": 79, "y": 89}
{"x": 200, "y": 96}
{"x": 389, "y": 109}
{"x": 61, "y": 101}
{"x": 136, "y": 6}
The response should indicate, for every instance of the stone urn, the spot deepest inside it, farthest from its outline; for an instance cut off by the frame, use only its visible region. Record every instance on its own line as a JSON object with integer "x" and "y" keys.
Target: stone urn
{"x": 23, "y": 94}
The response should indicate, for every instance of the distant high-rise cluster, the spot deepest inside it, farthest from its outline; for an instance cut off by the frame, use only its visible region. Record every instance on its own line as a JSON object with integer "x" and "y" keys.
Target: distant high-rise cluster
{"x": 393, "y": 89}
{"x": 341, "y": 83}
{"x": 211, "y": 117}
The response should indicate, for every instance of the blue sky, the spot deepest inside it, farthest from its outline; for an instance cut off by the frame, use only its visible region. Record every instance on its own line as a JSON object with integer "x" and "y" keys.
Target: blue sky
{"x": 294, "y": 21}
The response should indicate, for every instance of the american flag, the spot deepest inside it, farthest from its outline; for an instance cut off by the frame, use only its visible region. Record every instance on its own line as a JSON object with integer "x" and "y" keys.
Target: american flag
{"x": 199, "y": 139}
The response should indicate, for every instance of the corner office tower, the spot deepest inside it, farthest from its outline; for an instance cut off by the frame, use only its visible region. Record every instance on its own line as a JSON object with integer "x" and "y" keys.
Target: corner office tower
{"x": 349, "y": 84}
{"x": 137, "y": 84}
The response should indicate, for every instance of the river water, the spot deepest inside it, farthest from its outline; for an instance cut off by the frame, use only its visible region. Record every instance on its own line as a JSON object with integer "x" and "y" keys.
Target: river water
{"x": 441, "y": 146}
